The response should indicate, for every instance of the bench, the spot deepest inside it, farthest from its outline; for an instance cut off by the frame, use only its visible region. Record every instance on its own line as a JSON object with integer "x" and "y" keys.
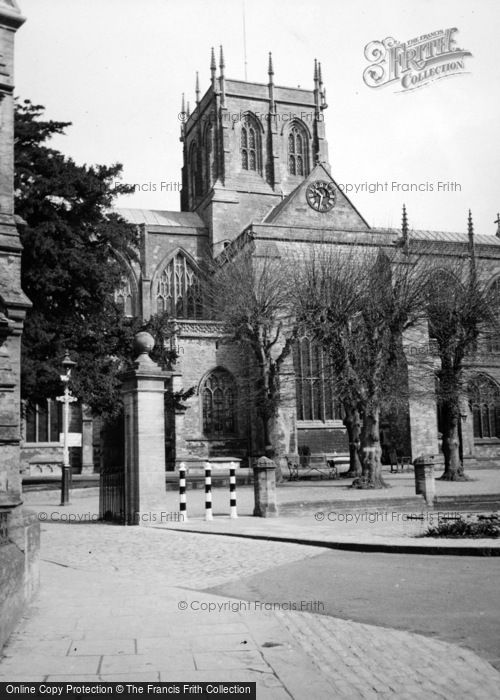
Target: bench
{"x": 293, "y": 469}
{"x": 398, "y": 463}
{"x": 324, "y": 464}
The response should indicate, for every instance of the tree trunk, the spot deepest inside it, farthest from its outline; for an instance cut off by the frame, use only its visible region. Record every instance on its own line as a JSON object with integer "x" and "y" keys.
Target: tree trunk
{"x": 279, "y": 441}
{"x": 271, "y": 450}
{"x": 268, "y": 448}
{"x": 371, "y": 477}
{"x": 453, "y": 468}
{"x": 352, "y": 423}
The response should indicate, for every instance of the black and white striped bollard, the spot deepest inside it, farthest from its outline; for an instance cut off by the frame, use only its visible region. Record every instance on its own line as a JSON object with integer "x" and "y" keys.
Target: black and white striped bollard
{"x": 232, "y": 491}
{"x": 208, "y": 492}
{"x": 182, "y": 492}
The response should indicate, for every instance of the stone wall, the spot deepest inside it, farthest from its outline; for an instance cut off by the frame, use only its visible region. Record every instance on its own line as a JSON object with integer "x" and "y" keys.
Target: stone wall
{"x": 203, "y": 348}
{"x": 19, "y": 531}
{"x": 20, "y": 570}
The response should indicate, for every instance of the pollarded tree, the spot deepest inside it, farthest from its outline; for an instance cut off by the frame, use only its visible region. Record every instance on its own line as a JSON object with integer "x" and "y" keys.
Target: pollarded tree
{"x": 251, "y": 296}
{"x": 461, "y": 309}
{"x": 327, "y": 298}
{"x": 70, "y": 269}
{"x": 358, "y": 304}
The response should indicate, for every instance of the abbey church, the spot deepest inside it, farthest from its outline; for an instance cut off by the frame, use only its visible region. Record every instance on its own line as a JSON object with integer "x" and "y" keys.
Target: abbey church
{"x": 256, "y": 175}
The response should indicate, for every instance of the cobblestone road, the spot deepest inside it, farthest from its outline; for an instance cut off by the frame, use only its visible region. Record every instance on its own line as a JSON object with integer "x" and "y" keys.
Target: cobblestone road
{"x": 173, "y": 558}
{"x": 122, "y": 604}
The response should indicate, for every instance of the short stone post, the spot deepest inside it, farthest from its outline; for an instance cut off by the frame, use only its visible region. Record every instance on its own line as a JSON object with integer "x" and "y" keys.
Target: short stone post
{"x": 264, "y": 479}
{"x": 424, "y": 478}
{"x": 87, "y": 441}
{"x": 143, "y": 390}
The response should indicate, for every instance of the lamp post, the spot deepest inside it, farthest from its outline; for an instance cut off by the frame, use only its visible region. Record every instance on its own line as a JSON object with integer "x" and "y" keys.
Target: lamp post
{"x": 66, "y": 399}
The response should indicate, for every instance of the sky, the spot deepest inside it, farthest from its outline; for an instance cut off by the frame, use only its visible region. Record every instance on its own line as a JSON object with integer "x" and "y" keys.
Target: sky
{"x": 116, "y": 69}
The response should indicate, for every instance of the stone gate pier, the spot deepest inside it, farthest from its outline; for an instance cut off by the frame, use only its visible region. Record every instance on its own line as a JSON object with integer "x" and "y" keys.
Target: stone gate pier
{"x": 143, "y": 391}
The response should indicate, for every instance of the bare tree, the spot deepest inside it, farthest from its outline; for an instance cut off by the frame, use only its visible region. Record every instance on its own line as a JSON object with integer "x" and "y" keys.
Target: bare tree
{"x": 251, "y": 296}
{"x": 352, "y": 421}
{"x": 461, "y": 312}
{"x": 358, "y": 304}
{"x": 327, "y": 299}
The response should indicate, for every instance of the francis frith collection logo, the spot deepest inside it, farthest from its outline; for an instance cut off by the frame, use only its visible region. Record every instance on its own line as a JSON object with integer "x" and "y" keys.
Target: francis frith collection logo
{"x": 416, "y": 62}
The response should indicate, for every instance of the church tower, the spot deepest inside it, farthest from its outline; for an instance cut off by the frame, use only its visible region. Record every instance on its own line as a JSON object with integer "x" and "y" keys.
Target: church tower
{"x": 246, "y": 146}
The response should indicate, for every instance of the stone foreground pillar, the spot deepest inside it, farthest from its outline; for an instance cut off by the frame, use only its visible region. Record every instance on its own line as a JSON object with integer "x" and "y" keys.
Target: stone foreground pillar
{"x": 143, "y": 390}
{"x": 425, "y": 484}
{"x": 421, "y": 390}
{"x": 264, "y": 478}
{"x": 87, "y": 441}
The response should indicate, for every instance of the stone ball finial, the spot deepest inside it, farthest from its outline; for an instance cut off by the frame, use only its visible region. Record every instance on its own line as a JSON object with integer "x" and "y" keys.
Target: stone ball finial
{"x": 143, "y": 343}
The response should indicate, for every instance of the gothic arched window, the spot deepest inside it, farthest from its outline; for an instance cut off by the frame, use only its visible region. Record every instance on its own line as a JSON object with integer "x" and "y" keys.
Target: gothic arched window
{"x": 210, "y": 175}
{"x": 219, "y": 404}
{"x": 484, "y": 396}
{"x": 297, "y": 151}
{"x": 493, "y": 337}
{"x": 195, "y": 167}
{"x": 178, "y": 291}
{"x": 124, "y": 297}
{"x": 314, "y": 383}
{"x": 250, "y": 145}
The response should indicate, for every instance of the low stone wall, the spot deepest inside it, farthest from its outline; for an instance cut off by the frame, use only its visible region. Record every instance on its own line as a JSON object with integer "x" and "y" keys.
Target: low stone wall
{"x": 487, "y": 450}
{"x": 46, "y": 459}
{"x": 20, "y": 570}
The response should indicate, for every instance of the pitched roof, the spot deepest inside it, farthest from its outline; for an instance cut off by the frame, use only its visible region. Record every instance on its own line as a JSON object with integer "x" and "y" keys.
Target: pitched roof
{"x": 156, "y": 217}
{"x": 291, "y": 209}
{"x": 444, "y": 236}
{"x": 271, "y": 215}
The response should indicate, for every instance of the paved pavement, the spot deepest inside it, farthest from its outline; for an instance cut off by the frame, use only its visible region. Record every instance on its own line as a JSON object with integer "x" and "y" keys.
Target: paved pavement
{"x": 368, "y": 528}
{"x": 124, "y": 604}
{"x": 299, "y": 497}
{"x": 326, "y": 513}
{"x": 110, "y": 608}
{"x": 401, "y": 486}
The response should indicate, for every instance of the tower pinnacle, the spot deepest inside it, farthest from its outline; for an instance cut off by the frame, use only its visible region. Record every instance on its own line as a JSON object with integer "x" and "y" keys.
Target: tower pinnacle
{"x": 404, "y": 230}
{"x": 222, "y": 80}
{"x": 222, "y": 64}
{"x": 213, "y": 68}
{"x": 182, "y": 116}
{"x": 316, "y": 87}
{"x": 322, "y": 90}
{"x": 270, "y": 85}
{"x": 472, "y": 247}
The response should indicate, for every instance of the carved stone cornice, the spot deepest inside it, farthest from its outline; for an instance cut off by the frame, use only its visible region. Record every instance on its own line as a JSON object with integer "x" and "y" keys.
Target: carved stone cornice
{"x": 199, "y": 328}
